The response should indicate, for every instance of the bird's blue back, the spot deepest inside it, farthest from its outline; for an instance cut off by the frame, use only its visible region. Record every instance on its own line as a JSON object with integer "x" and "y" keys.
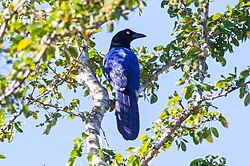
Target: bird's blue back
{"x": 121, "y": 69}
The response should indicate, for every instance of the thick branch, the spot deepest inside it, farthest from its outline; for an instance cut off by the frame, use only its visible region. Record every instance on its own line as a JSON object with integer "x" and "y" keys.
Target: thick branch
{"x": 100, "y": 106}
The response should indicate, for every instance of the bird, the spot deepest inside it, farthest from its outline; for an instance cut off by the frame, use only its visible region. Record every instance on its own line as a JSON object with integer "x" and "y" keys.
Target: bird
{"x": 121, "y": 69}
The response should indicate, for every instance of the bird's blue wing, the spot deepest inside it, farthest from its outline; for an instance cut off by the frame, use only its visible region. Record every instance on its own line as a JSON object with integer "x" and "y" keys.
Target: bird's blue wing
{"x": 115, "y": 68}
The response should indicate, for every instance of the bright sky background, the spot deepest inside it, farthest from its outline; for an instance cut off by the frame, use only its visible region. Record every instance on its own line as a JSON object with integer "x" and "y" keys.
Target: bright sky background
{"x": 34, "y": 149}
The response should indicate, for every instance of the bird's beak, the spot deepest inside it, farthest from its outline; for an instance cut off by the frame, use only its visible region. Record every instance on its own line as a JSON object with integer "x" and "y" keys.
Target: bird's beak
{"x": 138, "y": 35}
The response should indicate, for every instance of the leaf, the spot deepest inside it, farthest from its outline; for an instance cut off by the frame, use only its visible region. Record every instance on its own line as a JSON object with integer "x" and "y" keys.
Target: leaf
{"x": 118, "y": 157}
{"x": 89, "y": 157}
{"x": 227, "y": 24}
{"x": 216, "y": 16}
{"x": 18, "y": 128}
{"x": 143, "y": 137}
{"x": 163, "y": 3}
{"x": 242, "y": 92}
{"x": 244, "y": 73}
{"x": 71, "y": 161}
{"x": 84, "y": 135}
{"x": 223, "y": 121}
{"x": 190, "y": 91}
{"x": 196, "y": 162}
{"x": 235, "y": 42}
{"x": 158, "y": 48}
{"x": 247, "y": 100}
{"x": 73, "y": 52}
{"x": 209, "y": 138}
{"x": 153, "y": 99}
{"x": 26, "y": 111}
{"x": 48, "y": 128}
{"x": 2, "y": 156}
{"x": 40, "y": 90}
{"x": 215, "y": 132}
{"x": 183, "y": 146}
{"x": 23, "y": 44}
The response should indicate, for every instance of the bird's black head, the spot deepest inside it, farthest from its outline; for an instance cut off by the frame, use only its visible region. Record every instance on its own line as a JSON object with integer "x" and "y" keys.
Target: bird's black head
{"x": 124, "y": 38}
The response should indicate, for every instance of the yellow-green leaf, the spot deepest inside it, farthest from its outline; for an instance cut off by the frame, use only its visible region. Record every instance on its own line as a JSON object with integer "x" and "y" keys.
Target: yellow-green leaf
{"x": 40, "y": 90}
{"x": 209, "y": 138}
{"x": 143, "y": 137}
{"x": 23, "y": 44}
{"x": 216, "y": 16}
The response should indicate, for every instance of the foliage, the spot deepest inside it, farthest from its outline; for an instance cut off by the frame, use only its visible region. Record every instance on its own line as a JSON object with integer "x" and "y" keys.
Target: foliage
{"x": 209, "y": 160}
{"x": 40, "y": 49}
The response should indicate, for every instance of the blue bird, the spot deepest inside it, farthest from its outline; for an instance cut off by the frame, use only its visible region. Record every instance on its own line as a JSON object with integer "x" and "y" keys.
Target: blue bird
{"x": 121, "y": 69}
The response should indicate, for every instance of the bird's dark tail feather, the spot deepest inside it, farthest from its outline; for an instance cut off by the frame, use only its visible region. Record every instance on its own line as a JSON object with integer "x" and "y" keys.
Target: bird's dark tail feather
{"x": 127, "y": 114}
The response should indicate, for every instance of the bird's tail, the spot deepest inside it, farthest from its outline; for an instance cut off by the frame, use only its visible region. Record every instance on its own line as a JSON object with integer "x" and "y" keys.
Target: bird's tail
{"x": 127, "y": 114}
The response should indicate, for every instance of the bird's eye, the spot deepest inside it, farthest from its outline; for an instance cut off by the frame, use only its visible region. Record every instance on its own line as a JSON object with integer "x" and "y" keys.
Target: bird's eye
{"x": 127, "y": 32}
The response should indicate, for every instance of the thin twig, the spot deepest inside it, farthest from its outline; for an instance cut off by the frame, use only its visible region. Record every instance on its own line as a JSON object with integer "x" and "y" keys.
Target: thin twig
{"x": 105, "y": 138}
{"x": 224, "y": 94}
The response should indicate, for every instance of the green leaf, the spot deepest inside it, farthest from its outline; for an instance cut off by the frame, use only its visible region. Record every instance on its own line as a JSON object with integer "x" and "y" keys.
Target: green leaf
{"x": 166, "y": 145}
{"x": 118, "y": 157}
{"x": 183, "y": 146}
{"x": 2, "y": 156}
{"x": 89, "y": 157}
{"x": 242, "y": 92}
{"x": 71, "y": 161}
{"x": 48, "y": 128}
{"x": 163, "y": 3}
{"x": 247, "y": 100}
{"x": 216, "y": 16}
{"x": 73, "y": 52}
{"x": 84, "y": 135}
{"x": 26, "y": 111}
{"x": 235, "y": 42}
{"x": 190, "y": 91}
{"x": 215, "y": 132}
{"x": 227, "y": 24}
{"x": 244, "y": 74}
{"x": 16, "y": 125}
{"x": 153, "y": 99}
{"x": 197, "y": 162}
{"x": 34, "y": 115}
{"x": 158, "y": 48}
{"x": 223, "y": 121}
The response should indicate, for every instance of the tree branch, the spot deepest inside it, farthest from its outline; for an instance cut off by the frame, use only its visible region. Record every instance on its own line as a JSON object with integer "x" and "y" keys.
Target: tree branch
{"x": 167, "y": 135}
{"x": 100, "y": 106}
{"x": 224, "y": 94}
